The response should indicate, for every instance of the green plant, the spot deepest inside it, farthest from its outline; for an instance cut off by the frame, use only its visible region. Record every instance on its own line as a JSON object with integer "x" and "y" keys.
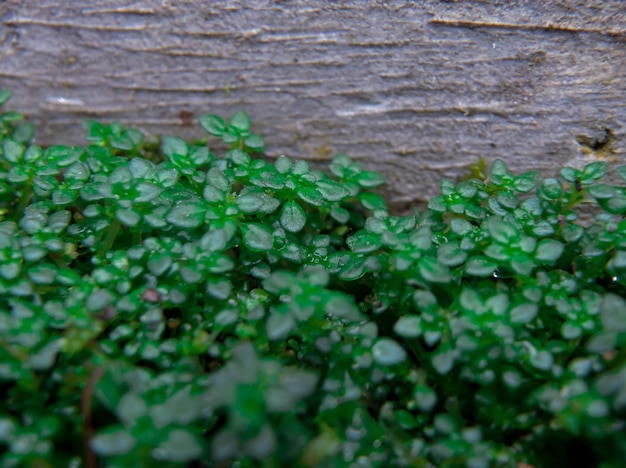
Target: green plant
{"x": 160, "y": 304}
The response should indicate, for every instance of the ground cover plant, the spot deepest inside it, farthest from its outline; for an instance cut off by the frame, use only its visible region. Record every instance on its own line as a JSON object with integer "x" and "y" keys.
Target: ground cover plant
{"x": 161, "y": 305}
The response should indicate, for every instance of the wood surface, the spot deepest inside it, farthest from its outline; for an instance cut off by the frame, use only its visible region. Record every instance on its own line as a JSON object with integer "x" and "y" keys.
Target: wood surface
{"x": 417, "y": 90}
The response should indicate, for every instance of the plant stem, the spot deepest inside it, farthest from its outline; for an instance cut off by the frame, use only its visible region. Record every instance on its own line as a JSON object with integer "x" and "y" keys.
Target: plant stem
{"x": 24, "y": 199}
{"x": 114, "y": 228}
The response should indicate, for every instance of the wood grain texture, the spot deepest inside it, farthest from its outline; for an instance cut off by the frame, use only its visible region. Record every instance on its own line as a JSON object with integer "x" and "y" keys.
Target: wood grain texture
{"x": 416, "y": 90}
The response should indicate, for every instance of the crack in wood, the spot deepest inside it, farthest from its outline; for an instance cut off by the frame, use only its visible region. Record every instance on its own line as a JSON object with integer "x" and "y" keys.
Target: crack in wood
{"x": 528, "y": 27}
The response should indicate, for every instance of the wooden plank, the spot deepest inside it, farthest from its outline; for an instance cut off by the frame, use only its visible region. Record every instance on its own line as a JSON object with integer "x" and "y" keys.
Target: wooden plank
{"x": 414, "y": 89}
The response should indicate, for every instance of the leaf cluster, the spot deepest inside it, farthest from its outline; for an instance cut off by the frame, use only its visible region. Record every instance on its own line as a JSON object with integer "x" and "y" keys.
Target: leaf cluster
{"x": 163, "y": 304}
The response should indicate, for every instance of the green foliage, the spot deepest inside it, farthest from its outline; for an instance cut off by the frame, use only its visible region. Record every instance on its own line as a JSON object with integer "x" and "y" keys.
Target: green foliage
{"x": 161, "y": 304}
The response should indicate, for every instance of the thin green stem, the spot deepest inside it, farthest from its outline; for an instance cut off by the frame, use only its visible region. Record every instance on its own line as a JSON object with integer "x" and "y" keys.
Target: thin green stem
{"x": 24, "y": 199}
{"x": 111, "y": 235}
{"x": 59, "y": 261}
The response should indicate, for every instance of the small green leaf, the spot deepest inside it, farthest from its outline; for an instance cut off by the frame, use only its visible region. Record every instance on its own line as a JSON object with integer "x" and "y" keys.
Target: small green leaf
{"x": 432, "y": 271}
{"x": 602, "y": 342}
{"x": 311, "y": 196}
{"x": 279, "y": 325}
{"x": 180, "y": 446}
{"x": 219, "y": 288}
{"x": 42, "y": 274}
{"x": 257, "y": 237}
{"x": 12, "y": 151}
{"x": 425, "y": 398}
{"x": 443, "y": 359}
{"x": 502, "y": 231}
{"x": 372, "y": 201}
{"x": 239, "y": 157}
{"x": 98, "y": 300}
{"x": 159, "y": 263}
{"x": 614, "y": 313}
{"x": 542, "y": 360}
{"x": 369, "y": 179}
{"x": 523, "y": 313}
{"x": 300, "y": 168}
{"x": 4, "y": 96}
{"x": 212, "y": 124}
{"x": 602, "y": 191}
{"x": 59, "y": 220}
{"x": 388, "y": 352}
{"x": 549, "y": 250}
{"x": 186, "y": 215}
{"x": 408, "y": 326}
{"x": 173, "y": 146}
{"x": 292, "y": 217}
{"x": 451, "y": 254}
{"x": 215, "y": 240}
{"x": 332, "y": 191}
{"x": 570, "y": 174}
{"x": 24, "y": 132}
{"x": 128, "y": 217}
{"x": 571, "y": 331}
{"x": 353, "y": 269}
{"x": 342, "y": 306}
{"x": 112, "y": 441}
{"x": 461, "y": 227}
{"x": 250, "y": 203}
{"x": 240, "y": 121}
{"x": 45, "y": 358}
{"x": 283, "y": 164}
{"x": 339, "y": 214}
{"x": 254, "y": 143}
{"x": 363, "y": 242}
{"x": 526, "y": 182}
{"x": 572, "y": 232}
{"x": 593, "y": 172}
{"x": 480, "y": 266}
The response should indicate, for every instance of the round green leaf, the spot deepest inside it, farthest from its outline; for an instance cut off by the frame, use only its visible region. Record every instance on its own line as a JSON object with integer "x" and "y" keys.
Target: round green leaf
{"x": 502, "y": 232}
{"x": 614, "y": 313}
{"x": 523, "y": 313}
{"x": 570, "y": 174}
{"x": 388, "y": 352}
{"x": 342, "y": 306}
{"x": 549, "y": 250}
{"x": 180, "y": 446}
{"x": 543, "y": 360}
{"x": 292, "y": 217}
{"x": 602, "y": 191}
{"x": 250, "y": 203}
{"x": 279, "y": 325}
{"x": 433, "y": 271}
{"x": 257, "y": 237}
{"x": 332, "y": 191}
{"x": 363, "y": 242}
{"x": 113, "y": 441}
{"x": 212, "y": 124}
{"x": 408, "y": 326}
{"x": 186, "y": 215}
{"x": 425, "y": 398}
{"x": 173, "y": 146}
{"x": 451, "y": 254}
{"x": 254, "y": 143}
{"x": 240, "y": 121}
{"x": 593, "y": 171}
{"x": 443, "y": 360}
{"x": 369, "y": 179}
{"x": 4, "y": 96}
{"x": 128, "y": 217}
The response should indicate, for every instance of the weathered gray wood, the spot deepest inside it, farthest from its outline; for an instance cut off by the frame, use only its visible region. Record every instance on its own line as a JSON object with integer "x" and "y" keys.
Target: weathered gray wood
{"x": 414, "y": 89}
